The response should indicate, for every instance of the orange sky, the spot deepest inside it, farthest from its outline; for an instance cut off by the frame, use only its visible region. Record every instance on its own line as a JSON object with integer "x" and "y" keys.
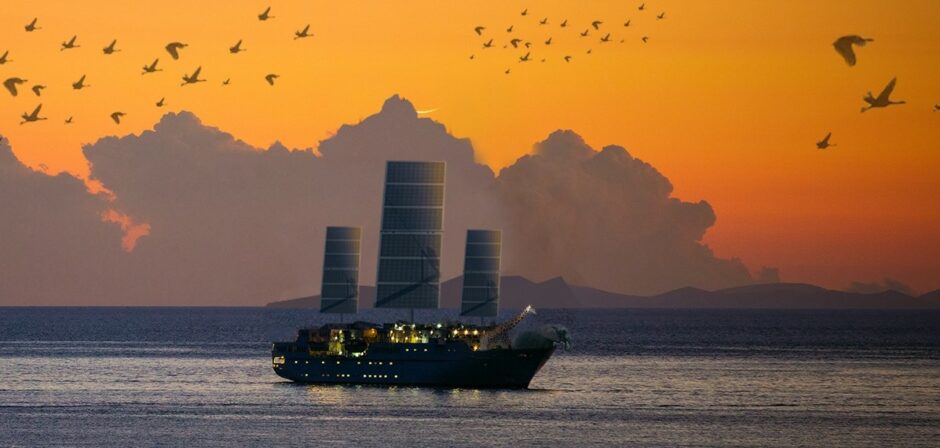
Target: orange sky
{"x": 727, "y": 100}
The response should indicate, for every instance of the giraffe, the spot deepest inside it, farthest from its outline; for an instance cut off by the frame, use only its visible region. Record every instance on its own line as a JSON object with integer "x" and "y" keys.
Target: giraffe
{"x": 498, "y": 336}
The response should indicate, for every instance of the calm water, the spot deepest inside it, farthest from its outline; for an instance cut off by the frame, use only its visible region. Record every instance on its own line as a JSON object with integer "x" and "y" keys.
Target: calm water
{"x": 196, "y": 377}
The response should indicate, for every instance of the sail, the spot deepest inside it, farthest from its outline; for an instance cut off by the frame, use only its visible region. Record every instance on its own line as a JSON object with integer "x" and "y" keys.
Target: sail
{"x": 480, "y": 295}
{"x": 339, "y": 292}
{"x": 412, "y": 225}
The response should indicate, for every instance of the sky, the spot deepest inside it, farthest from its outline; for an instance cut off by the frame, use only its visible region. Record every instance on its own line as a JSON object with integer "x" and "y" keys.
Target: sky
{"x": 726, "y": 99}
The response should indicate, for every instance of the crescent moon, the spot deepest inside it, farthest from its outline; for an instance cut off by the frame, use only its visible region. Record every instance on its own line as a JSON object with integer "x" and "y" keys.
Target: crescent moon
{"x": 423, "y": 112}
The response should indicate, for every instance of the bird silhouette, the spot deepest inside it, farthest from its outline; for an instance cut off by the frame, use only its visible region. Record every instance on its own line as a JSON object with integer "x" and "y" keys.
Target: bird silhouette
{"x": 661, "y": 16}
{"x": 226, "y": 82}
{"x": 11, "y": 84}
{"x": 32, "y": 26}
{"x": 589, "y": 51}
{"x": 606, "y": 38}
{"x": 3, "y": 59}
{"x": 824, "y": 143}
{"x": 37, "y": 89}
{"x": 110, "y": 48}
{"x": 567, "y": 58}
{"x": 936, "y": 107}
{"x": 843, "y": 46}
{"x": 515, "y": 43}
{"x": 479, "y": 30}
{"x": 116, "y": 116}
{"x": 303, "y": 33}
{"x": 509, "y": 30}
{"x": 627, "y": 23}
{"x": 524, "y": 58}
{"x": 488, "y": 44}
{"x": 270, "y": 78}
{"x": 80, "y": 84}
{"x": 192, "y": 79}
{"x": 642, "y": 6}
{"x": 644, "y": 39}
{"x": 161, "y": 102}
{"x": 152, "y": 67}
{"x": 883, "y": 99}
{"x": 564, "y": 23}
{"x": 68, "y": 120}
{"x": 585, "y": 33}
{"x": 507, "y": 71}
{"x": 69, "y": 44}
{"x": 265, "y": 15}
{"x": 528, "y": 44}
{"x": 543, "y": 21}
{"x": 549, "y": 41}
{"x": 596, "y": 24}
{"x": 29, "y": 118}
{"x": 234, "y": 49}
{"x": 174, "y": 49}
{"x": 524, "y": 12}
{"x": 472, "y": 56}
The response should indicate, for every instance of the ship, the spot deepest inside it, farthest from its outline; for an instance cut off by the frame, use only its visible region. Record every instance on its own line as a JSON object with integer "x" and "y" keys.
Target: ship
{"x": 450, "y": 354}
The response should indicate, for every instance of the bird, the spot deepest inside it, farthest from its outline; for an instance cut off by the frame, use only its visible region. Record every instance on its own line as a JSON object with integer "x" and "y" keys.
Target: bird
{"x": 564, "y": 23}
{"x": 110, "y": 48}
{"x": 37, "y": 89}
{"x": 507, "y": 71}
{"x": 596, "y": 24}
{"x": 543, "y": 59}
{"x": 11, "y": 84}
{"x": 549, "y": 41}
{"x": 661, "y": 16}
{"x": 479, "y": 30}
{"x": 589, "y": 51}
{"x": 936, "y": 107}
{"x": 509, "y": 30}
{"x": 606, "y": 38}
{"x": 524, "y": 58}
{"x": 69, "y": 44}
{"x": 29, "y": 118}
{"x": 226, "y": 82}
{"x": 642, "y": 6}
{"x": 824, "y": 143}
{"x": 843, "y": 46}
{"x": 3, "y": 59}
{"x": 543, "y": 21}
{"x": 152, "y": 67}
{"x": 303, "y": 33}
{"x": 32, "y": 26}
{"x": 80, "y": 84}
{"x": 192, "y": 79}
{"x": 627, "y": 23}
{"x": 524, "y": 12}
{"x": 515, "y": 43}
{"x": 265, "y": 15}
{"x": 584, "y": 34}
{"x": 488, "y": 44}
{"x": 567, "y": 58}
{"x": 884, "y": 98}
{"x": 270, "y": 78}
{"x": 235, "y": 49}
{"x": 472, "y": 56}
{"x": 528, "y": 44}
{"x": 174, "y": 49}
{"x": 644, "y": 39}
{"x": 68, "y": 120}
{"x": 161, "y": 102}
{"x": 116, "y": 116}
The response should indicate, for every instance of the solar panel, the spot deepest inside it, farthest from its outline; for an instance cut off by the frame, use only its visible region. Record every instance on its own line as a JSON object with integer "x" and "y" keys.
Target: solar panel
{"x": 410, "y": 243}
{"x": 339, "y": 291}
{"x": 480, "y": 295}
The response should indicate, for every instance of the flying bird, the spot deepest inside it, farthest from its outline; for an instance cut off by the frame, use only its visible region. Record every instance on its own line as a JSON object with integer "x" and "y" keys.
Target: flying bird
{"x": 479, "y": 30}
{"x": 235, "y": 49}
{"x": 567, "y": 58}
{"x": 161, "y": 102}
{"x": 843, "y": 46}
{"x": 936, "y": 107}
{"x": 488, "y": 44}
{"x": 68, "y": 120}
{"x": 543, "y": 21}
{"x": 596, "y": 24}
{"x": 589, "y": 51}
{"x": 3, "y": 59}
{"x": 642, "y": 7}
{"x": 515, "y": 43}
{"x": 524, "y": 58}
{"x": 824, "y": 143}
{"x": 627, "y": 23}
{"x": 549, "y": 41}
{"x": 265, "y": 15}
{"x": 661, "y": 16}
{"x": 69, "y": 44}
{"x": 152, "y": 67}
{"x": 524, "y": 12}
{"x": 606, "y": 38}
{"x": 472, "y": 56}
{"x": 32, "y": 26}
{"x": 226, "y": 82}
{"x": 507, "y": 71}
{"x": 884, "y": 98}
{"x": 303, "y": 33}
{"x": 37, "y": 89}
{"x": 80, "y": 84}
{"x": 29, "y": 118}
{"x": 11, "y": 84}
{"x": 110, "y": 48}
{"x": 270, "y": 78}
{"x": 509, "y": 30}
{"x": 528, "y": 44}
{"x": 585, "y": 33}
{"x": 192, "y": 79}
{"x": 644, "y": 39}
{"x": 174, "y": 49}
{"x": 564, "y": 23}
{"x": 116, "y": 116}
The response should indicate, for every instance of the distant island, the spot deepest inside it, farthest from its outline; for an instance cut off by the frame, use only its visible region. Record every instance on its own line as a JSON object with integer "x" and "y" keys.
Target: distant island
{"x": 517, "y": 292}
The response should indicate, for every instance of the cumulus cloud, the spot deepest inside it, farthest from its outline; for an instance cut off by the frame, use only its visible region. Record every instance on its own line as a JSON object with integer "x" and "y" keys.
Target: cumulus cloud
{"x": 888, "y": 284}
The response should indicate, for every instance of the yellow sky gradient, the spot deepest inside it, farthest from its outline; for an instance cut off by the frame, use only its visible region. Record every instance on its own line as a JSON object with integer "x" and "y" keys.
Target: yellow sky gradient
{"x": 727, "y": 100}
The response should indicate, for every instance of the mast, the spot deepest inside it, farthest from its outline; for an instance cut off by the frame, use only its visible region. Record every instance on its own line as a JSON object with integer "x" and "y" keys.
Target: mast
{"x": 410, "y": 241}
{"x": 480, "y": 293}
{"x": 339, "y": 290}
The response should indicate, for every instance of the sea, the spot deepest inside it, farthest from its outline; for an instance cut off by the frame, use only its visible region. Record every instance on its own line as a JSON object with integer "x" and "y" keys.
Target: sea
{"x": 661, "y": 378}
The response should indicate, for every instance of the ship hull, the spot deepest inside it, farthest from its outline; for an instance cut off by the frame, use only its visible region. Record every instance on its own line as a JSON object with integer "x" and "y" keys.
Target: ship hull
{"x": 434, "y": 365}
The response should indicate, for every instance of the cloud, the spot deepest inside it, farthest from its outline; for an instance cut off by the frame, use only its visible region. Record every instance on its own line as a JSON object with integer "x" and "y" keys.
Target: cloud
{"x": 607, "y": 220}
{"x": 888, "y": 284}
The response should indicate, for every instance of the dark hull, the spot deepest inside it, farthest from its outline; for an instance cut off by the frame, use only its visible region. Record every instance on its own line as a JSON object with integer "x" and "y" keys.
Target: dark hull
{"x": 437, "y": 365}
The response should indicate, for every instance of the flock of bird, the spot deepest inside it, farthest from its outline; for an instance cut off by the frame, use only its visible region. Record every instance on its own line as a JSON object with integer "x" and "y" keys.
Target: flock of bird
{"x": 596, "y": 32}
{"x": 845, "y": 47}
{"x": 174, "y": 49}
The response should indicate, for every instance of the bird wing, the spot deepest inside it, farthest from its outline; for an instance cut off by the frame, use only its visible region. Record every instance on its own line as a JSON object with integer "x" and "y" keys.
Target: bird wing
{"x": 172, "y": 49}
{"x": 886, "y": 93}
{"x": 306, "y": 28}
{"x": 10, "y": 84}
{"x": 36, "y": 111}
{"x": 843, "y": 46}
{"x": 196, "y": 73}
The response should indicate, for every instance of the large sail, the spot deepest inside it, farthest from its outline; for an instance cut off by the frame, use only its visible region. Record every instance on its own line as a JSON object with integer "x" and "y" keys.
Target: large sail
{"x": 412, "y": 225}
{"x": 481, "y": 273}
{"x": 339, "y": 292}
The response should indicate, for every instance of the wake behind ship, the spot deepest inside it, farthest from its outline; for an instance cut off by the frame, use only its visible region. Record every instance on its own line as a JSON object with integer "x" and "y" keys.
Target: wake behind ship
{"x": 408, "y": 353}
